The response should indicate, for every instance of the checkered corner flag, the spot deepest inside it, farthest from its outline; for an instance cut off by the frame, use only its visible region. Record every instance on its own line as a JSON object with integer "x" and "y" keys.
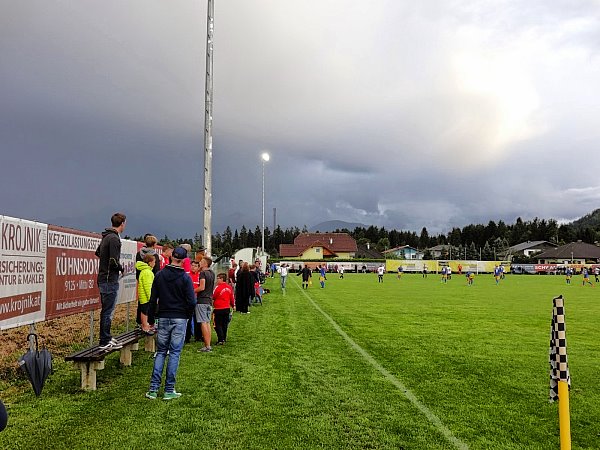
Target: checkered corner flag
{"x": 559, "y": 366}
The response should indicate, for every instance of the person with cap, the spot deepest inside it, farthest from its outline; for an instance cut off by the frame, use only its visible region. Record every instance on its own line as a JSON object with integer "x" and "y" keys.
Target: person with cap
{"x": 109, "y": 268}
{"x": 171, "y": 300}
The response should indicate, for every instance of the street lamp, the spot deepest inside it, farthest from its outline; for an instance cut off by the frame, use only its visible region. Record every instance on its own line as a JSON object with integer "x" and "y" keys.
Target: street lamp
{"x": 265, "y": 157}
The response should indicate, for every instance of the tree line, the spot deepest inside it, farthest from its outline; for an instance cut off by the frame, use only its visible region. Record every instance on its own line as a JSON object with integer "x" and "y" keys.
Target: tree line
{"x": 470, "y": 241}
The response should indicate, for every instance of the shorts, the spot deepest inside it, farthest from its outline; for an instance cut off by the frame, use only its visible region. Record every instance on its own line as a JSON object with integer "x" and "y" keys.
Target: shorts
{"x": 203, "y": 313}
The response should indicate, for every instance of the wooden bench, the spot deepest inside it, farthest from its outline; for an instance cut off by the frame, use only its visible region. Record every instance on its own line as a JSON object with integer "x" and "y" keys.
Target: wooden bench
{"x": 91, "y": 359}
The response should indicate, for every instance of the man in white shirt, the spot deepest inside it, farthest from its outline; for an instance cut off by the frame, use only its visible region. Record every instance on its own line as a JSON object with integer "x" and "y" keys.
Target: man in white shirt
{"x": 283, "y": 272}
{"x": 380, "y": 272}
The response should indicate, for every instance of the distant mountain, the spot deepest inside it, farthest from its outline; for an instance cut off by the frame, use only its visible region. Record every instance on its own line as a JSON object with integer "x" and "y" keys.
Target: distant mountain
{"x": 591, "y": 220}
{"x": 332, "y": 225}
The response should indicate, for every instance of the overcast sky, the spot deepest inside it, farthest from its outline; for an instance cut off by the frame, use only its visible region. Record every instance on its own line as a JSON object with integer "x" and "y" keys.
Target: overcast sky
{"x": 385, "y": 112}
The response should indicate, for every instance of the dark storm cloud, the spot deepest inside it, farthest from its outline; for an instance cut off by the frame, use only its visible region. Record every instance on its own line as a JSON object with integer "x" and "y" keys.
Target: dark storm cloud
{"x": 396, "y": 114}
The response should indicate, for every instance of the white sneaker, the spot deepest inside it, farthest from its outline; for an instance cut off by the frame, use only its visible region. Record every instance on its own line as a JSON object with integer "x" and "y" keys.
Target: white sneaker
{"x": 110, "y": 346}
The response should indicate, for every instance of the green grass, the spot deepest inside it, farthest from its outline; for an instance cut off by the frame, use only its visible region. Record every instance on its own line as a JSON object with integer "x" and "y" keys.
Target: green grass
{"x": 476, "y": 357}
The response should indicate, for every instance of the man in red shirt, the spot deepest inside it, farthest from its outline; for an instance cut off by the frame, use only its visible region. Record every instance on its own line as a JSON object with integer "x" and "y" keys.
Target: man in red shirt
{"x": 223, "y": 301}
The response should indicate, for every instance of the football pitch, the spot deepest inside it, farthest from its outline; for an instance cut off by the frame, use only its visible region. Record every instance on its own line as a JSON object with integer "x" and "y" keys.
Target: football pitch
{"x": 411, "y": 363}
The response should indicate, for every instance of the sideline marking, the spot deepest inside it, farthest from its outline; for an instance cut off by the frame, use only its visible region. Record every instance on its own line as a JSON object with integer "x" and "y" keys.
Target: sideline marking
{"x": 395, "y": 381}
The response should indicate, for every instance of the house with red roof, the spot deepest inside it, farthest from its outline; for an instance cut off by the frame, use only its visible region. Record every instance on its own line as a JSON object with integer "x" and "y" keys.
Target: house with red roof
{"x": 320, "y": 246}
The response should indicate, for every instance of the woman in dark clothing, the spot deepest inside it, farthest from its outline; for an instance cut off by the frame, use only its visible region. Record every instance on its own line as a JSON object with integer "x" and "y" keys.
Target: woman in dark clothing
{"x": 244, "y": 289}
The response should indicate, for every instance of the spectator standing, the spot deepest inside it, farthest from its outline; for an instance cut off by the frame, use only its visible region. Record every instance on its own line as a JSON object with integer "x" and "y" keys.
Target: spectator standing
{"x": 148, "y": 249}
{"x": 173, "y": 295}
{"x": 231, "y": 274}
{"x": 109, "y": 252}
{"x": 255, "y": 272}
{"x": 283, "y": 273}
{"x": 193, "y": 328}
{"x": 145, "y": 281}
{"x": 165, "y": 257}
{"x": 244, "y": 289}
{"x": 187, "y": 262}
{"x": 204, "y": 293}
{"x": 223, "y": 301}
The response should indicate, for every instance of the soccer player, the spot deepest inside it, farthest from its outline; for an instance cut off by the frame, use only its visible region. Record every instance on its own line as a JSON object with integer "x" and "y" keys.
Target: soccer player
{"x": 568, "y": 275}
{"x": 400, "y": 270}
{"x": 497, "y": 274}
{"x": 444, "y": 275}
{"x": 380, "y": 272}
{"x": 470, "y": 277}
{"x": 586, "y": 277}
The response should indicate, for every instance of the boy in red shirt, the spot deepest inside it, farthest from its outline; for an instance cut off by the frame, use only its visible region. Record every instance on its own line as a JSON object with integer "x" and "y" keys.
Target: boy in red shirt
{"x": 223, "y": 301}
{"x": 193, "y": 328}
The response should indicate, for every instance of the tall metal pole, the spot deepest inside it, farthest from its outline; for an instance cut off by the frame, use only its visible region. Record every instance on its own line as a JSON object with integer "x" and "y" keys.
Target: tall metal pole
{"x": 262, "y": 242}
{"x": 265, "y": 157}
{"x": 208, "y": 108}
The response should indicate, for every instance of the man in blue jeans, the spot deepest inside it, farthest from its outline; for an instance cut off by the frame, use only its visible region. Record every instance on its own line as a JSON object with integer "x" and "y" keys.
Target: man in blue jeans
{"x": 109, "y": 252}
{"x": 172, "y": 300}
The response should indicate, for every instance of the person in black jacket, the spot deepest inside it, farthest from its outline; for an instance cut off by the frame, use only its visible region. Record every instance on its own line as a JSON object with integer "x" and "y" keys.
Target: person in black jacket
{"x": 109, "y": 252}
{"x": 244, "y": 289}
{"x": 172, "y": 300}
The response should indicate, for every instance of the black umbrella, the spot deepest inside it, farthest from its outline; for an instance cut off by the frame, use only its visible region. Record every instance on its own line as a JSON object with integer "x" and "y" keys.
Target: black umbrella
{"x": 3, "y": 416}
{"x": 37, "y": 365}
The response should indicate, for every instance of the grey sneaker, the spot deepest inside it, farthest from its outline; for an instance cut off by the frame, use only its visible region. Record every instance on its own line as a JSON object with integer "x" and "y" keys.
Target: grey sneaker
{"x": 205, "y": 350}
{"x": 171, "y": 395}
{"x": 152, "y": 395}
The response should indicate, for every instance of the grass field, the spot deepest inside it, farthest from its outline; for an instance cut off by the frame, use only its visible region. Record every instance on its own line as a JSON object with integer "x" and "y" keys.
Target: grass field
{"x": 411, "y": 363}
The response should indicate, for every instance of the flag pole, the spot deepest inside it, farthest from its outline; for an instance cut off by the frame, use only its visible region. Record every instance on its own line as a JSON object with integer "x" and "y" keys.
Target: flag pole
{"x": 564, "y": 418}
{"x": 560, "y": 378}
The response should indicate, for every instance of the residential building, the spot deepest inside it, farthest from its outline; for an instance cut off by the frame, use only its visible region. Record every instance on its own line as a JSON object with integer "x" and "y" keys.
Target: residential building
{"x": 403, "y": 252}
{"x": 320, "y": 246}
{"x": 573, "y": 253}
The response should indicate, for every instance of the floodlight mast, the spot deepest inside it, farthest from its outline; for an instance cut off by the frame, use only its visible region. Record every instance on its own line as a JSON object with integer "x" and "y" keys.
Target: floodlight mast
{"x": 208, "y": 108}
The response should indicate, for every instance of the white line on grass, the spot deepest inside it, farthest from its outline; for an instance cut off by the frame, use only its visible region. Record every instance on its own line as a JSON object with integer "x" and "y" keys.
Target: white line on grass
{"x": 395, "y": 381}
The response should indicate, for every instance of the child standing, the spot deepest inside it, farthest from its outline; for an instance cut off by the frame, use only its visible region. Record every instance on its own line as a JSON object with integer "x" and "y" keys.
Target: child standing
{"x": 223, "y": 302}
{"x": 145, "y": 266}
{"x": 193, "y": 328}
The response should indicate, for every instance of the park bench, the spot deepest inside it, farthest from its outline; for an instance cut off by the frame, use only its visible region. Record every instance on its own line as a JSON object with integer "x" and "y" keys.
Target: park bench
{"x": 91, "y": 359}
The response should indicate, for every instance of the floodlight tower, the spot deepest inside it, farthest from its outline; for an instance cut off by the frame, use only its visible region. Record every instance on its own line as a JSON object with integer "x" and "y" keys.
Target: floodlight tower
{"x": 265, "y": 157}
{"x": 208, "y": 108}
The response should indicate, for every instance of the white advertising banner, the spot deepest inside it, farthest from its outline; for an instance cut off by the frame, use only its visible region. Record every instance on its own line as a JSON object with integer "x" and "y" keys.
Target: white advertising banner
{"x": 22, "y": 272}
{"x": 127, "y": 282}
